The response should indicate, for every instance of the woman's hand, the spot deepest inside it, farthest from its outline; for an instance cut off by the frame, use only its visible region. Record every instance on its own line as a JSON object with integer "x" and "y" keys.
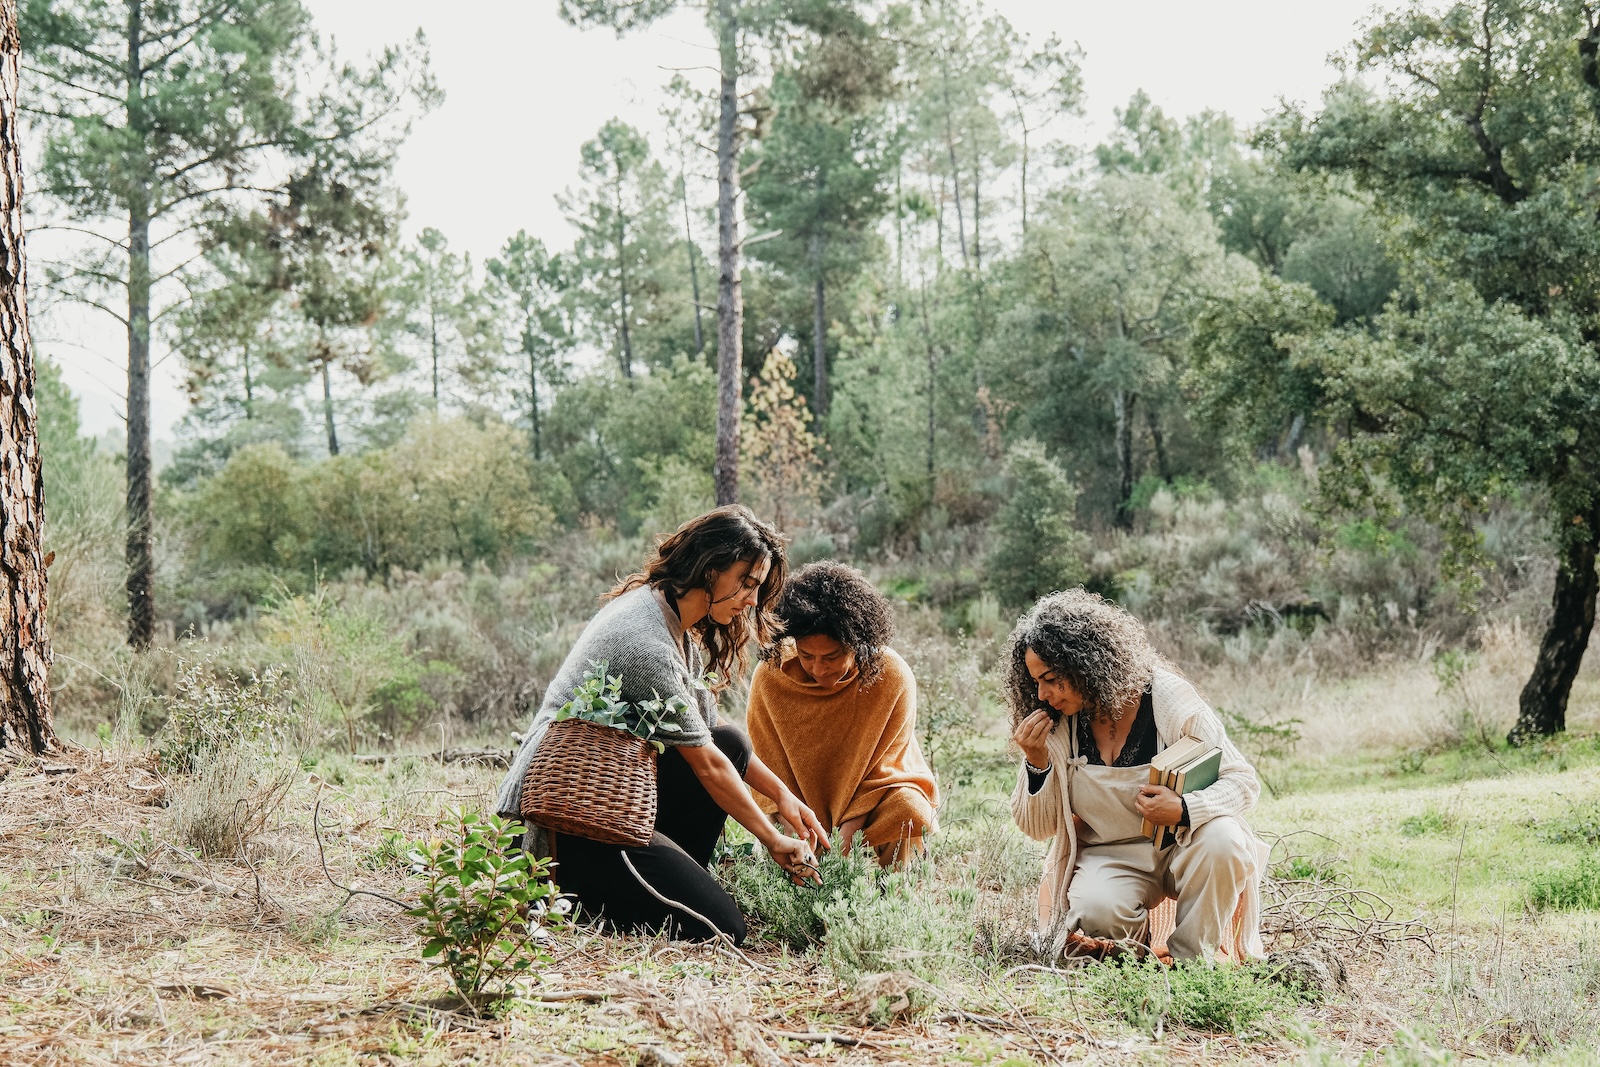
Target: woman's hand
{"x": 801, "y": 821}
{"x": 1159, "y": 804}
{"x": 1032, "y": 734}
{"x": 795, "y": 857}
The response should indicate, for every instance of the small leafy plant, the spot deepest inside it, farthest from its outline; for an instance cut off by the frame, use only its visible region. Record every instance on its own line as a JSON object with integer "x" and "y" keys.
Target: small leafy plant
{"x": 486, "y": 906}
{"x": 598, "y": 699}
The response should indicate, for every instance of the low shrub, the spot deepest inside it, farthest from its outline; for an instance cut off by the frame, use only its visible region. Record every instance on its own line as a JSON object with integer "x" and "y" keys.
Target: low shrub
{"x": 787, "y": 912}
{"x": 904, "y": 923}
{"x": 229, "y": 797}
{"x": 1575, "y": 888}
{"x": 1222, "y": 999}
{"x": 485, "y": 905}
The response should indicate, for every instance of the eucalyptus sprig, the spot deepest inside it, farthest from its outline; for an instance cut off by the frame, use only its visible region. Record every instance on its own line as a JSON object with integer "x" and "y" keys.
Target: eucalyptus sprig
{"x": 598, "y": 699}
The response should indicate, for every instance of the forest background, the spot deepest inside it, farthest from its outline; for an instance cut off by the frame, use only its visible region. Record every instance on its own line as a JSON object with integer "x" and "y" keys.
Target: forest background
{"x": 1315, "y": 399}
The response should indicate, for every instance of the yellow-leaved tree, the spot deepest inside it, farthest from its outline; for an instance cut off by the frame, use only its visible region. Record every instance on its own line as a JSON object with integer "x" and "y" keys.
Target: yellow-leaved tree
{"x": 777, "y": 449}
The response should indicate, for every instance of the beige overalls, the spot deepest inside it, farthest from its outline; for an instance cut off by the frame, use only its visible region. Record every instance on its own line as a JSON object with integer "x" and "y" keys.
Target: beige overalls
{"x": 1119, "y": 875}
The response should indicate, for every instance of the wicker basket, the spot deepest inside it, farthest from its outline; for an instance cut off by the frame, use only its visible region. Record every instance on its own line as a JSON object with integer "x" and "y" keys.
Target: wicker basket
{"x": 592, "y": 781}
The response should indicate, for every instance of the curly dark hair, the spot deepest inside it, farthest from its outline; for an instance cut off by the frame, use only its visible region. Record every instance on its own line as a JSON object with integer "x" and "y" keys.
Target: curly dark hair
{"x": 693, "y": 555}
{"x": 1096, "y": 646}
{"x": 836, "y": 601}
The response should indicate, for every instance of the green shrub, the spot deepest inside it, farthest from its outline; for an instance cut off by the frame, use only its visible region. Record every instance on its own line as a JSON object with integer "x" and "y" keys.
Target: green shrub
{"x": 1037, "y": 547}
{"x": 787, "y": 912}
{"x": 1569, "y": 888}
{"x": 1219, "y": 998}
{"x": 485, "y": 906}
{"x": 903, "y": 923}
{"x": 1579, "y": 826}
{"x": 211, "y": 710}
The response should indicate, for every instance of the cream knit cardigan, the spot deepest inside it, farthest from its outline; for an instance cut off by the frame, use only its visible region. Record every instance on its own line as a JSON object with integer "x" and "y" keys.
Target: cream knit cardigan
{"x": 1179, "y": 711}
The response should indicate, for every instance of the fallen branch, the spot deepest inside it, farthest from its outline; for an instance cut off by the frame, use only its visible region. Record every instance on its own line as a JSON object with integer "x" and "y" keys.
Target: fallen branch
{"x": 837, "y": 1039}
{"x": 349, "y": 891}
{"x": 488, "y": 757}
{"x": 588, "y": 996}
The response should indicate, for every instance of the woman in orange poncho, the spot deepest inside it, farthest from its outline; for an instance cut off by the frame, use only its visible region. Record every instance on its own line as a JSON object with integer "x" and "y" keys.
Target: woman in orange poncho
{"x": 833, "y": 713}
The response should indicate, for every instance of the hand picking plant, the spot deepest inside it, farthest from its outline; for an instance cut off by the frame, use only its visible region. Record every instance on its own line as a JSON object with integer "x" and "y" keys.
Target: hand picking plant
{"x": 598, "y": 699}
{"x": 486, "y": 907}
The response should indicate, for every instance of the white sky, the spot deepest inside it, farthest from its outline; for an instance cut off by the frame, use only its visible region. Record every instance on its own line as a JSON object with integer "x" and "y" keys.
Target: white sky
{"x": 524, "y": 90}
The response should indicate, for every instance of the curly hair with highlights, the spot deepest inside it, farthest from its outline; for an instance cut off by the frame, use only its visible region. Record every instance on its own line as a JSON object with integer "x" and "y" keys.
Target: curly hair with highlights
{"x": 836, "y": 601}
{"x": 1096, "y": 646}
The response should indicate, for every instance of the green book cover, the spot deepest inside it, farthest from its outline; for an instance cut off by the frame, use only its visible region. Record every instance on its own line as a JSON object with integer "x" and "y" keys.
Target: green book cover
{"x": 1199, "y": 773}
{"x": 1192, "y": 777}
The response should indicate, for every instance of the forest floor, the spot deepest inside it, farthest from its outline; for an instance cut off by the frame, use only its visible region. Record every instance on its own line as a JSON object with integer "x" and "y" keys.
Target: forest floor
{"x": 119, "y": 945}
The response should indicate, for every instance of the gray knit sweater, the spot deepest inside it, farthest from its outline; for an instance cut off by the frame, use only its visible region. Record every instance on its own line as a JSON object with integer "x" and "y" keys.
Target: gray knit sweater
{"x": 638, "y": 637}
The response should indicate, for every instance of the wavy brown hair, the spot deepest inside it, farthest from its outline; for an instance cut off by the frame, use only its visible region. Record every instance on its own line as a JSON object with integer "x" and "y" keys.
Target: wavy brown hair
{"x": 1096, "y": 646}
{"x": 836, "y": 601}
{"x": 692, "y": 556}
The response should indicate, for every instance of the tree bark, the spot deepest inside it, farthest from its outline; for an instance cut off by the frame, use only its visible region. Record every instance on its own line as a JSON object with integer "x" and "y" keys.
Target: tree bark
{"x": 819, "y": 350}
{"x": 533, "y": 404}
{"x": 249, "y": 388}
{"x": 1159, "y": 441}
{"x": 327, "y": 410}
{"x": 140, "y": 552}
{"x": 730, "y": 296}
{"x": 694, "y": 271}
{"x": 1543, "y": 707}
{"x": 25, "y": 718}
{"x": 1122, "y": 402}
{"x": 433, "y": 338}
{"x": 626, "y": 353}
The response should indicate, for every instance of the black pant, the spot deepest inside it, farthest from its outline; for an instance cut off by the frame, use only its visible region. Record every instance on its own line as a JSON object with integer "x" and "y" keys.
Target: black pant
{"x": 688, "y": 823}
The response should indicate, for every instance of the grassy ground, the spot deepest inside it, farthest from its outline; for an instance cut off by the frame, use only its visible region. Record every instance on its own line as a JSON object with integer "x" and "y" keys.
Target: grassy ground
{"x": 1416, "y": 851}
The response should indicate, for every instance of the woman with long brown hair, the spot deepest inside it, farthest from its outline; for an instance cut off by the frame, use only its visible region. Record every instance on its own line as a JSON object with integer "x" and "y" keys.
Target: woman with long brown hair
{"x": 681, "y": 628}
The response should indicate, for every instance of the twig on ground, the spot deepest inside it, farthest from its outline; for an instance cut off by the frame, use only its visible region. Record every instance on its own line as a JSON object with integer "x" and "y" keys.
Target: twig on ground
{"x": 838, "y": 1039}
{"x": 350, "y": 892}
{"x": 244, "y": 854}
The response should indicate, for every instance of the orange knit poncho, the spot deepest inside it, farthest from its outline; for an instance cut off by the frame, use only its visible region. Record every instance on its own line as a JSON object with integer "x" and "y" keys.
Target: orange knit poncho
{"x": 849, "y": 752}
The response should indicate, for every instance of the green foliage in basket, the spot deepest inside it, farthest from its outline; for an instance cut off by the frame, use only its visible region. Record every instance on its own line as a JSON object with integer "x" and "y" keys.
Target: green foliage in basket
{"x": 598, "y": 699}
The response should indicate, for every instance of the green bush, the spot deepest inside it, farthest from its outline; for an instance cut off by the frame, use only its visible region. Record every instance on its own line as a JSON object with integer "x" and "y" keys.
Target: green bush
{"x": 1037, "y": 547}
{"x": 903, "y": 923}
{"x": 790, "y": 913}
{"x": 1219, "y": 998}
{"x": 211, "y": 710}
{"x": 1574, "y": 888}
{"x": 485, "y": 906}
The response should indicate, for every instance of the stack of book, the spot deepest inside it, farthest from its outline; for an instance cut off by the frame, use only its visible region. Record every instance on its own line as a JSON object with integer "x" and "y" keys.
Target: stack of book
{"x": 1185, "y": 766}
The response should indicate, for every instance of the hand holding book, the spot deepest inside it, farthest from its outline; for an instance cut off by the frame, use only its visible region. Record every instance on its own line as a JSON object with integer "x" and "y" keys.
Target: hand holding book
{"x": 1159, "y": 805}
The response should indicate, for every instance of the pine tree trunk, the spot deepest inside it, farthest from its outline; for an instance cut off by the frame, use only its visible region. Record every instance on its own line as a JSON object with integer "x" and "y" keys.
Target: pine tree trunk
{"x": 433, "y": 337}
{"x": 533, "y": 405}
{"x": 249, "y": 389}
{"x": 25, "y": 719}
{"x": 140, "y": 548}
{"x": 730, "y": 296}
{"x": 625, "y": 355}
{"x": 1159, "y": 441}
{"x": 1543, "y": 707}
{"x": 327, "y": 410}
{"x": 694, "y": 271}
{"x": 819, "y": 350}
{"x": 1122, "y": 402}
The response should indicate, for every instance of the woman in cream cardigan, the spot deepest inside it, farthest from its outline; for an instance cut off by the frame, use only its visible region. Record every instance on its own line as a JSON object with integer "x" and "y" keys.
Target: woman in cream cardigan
{"x": 1091, "y": 703}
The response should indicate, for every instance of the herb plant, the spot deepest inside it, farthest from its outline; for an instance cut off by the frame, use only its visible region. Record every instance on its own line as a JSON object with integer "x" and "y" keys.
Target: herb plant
{"x": 486, "y": 906}
{"x": 598, "y": 699}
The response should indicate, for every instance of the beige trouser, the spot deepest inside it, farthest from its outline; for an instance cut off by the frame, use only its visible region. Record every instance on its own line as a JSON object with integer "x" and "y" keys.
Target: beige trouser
{"x": 1114, "y": 887}
{"x": 1120, "y": 875}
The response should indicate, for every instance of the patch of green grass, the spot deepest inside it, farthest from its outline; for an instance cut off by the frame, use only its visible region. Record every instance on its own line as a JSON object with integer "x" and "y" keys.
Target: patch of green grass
{"x": 1220, "y": 999}
{"x": 1575, "y": 888}
{"x": 1579, "y": 826}
{"x": 1430, "y": 821}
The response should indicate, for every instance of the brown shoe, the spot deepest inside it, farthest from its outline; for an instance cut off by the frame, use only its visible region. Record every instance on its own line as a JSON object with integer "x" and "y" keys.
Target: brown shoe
{"x": 1098, "y": 948}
